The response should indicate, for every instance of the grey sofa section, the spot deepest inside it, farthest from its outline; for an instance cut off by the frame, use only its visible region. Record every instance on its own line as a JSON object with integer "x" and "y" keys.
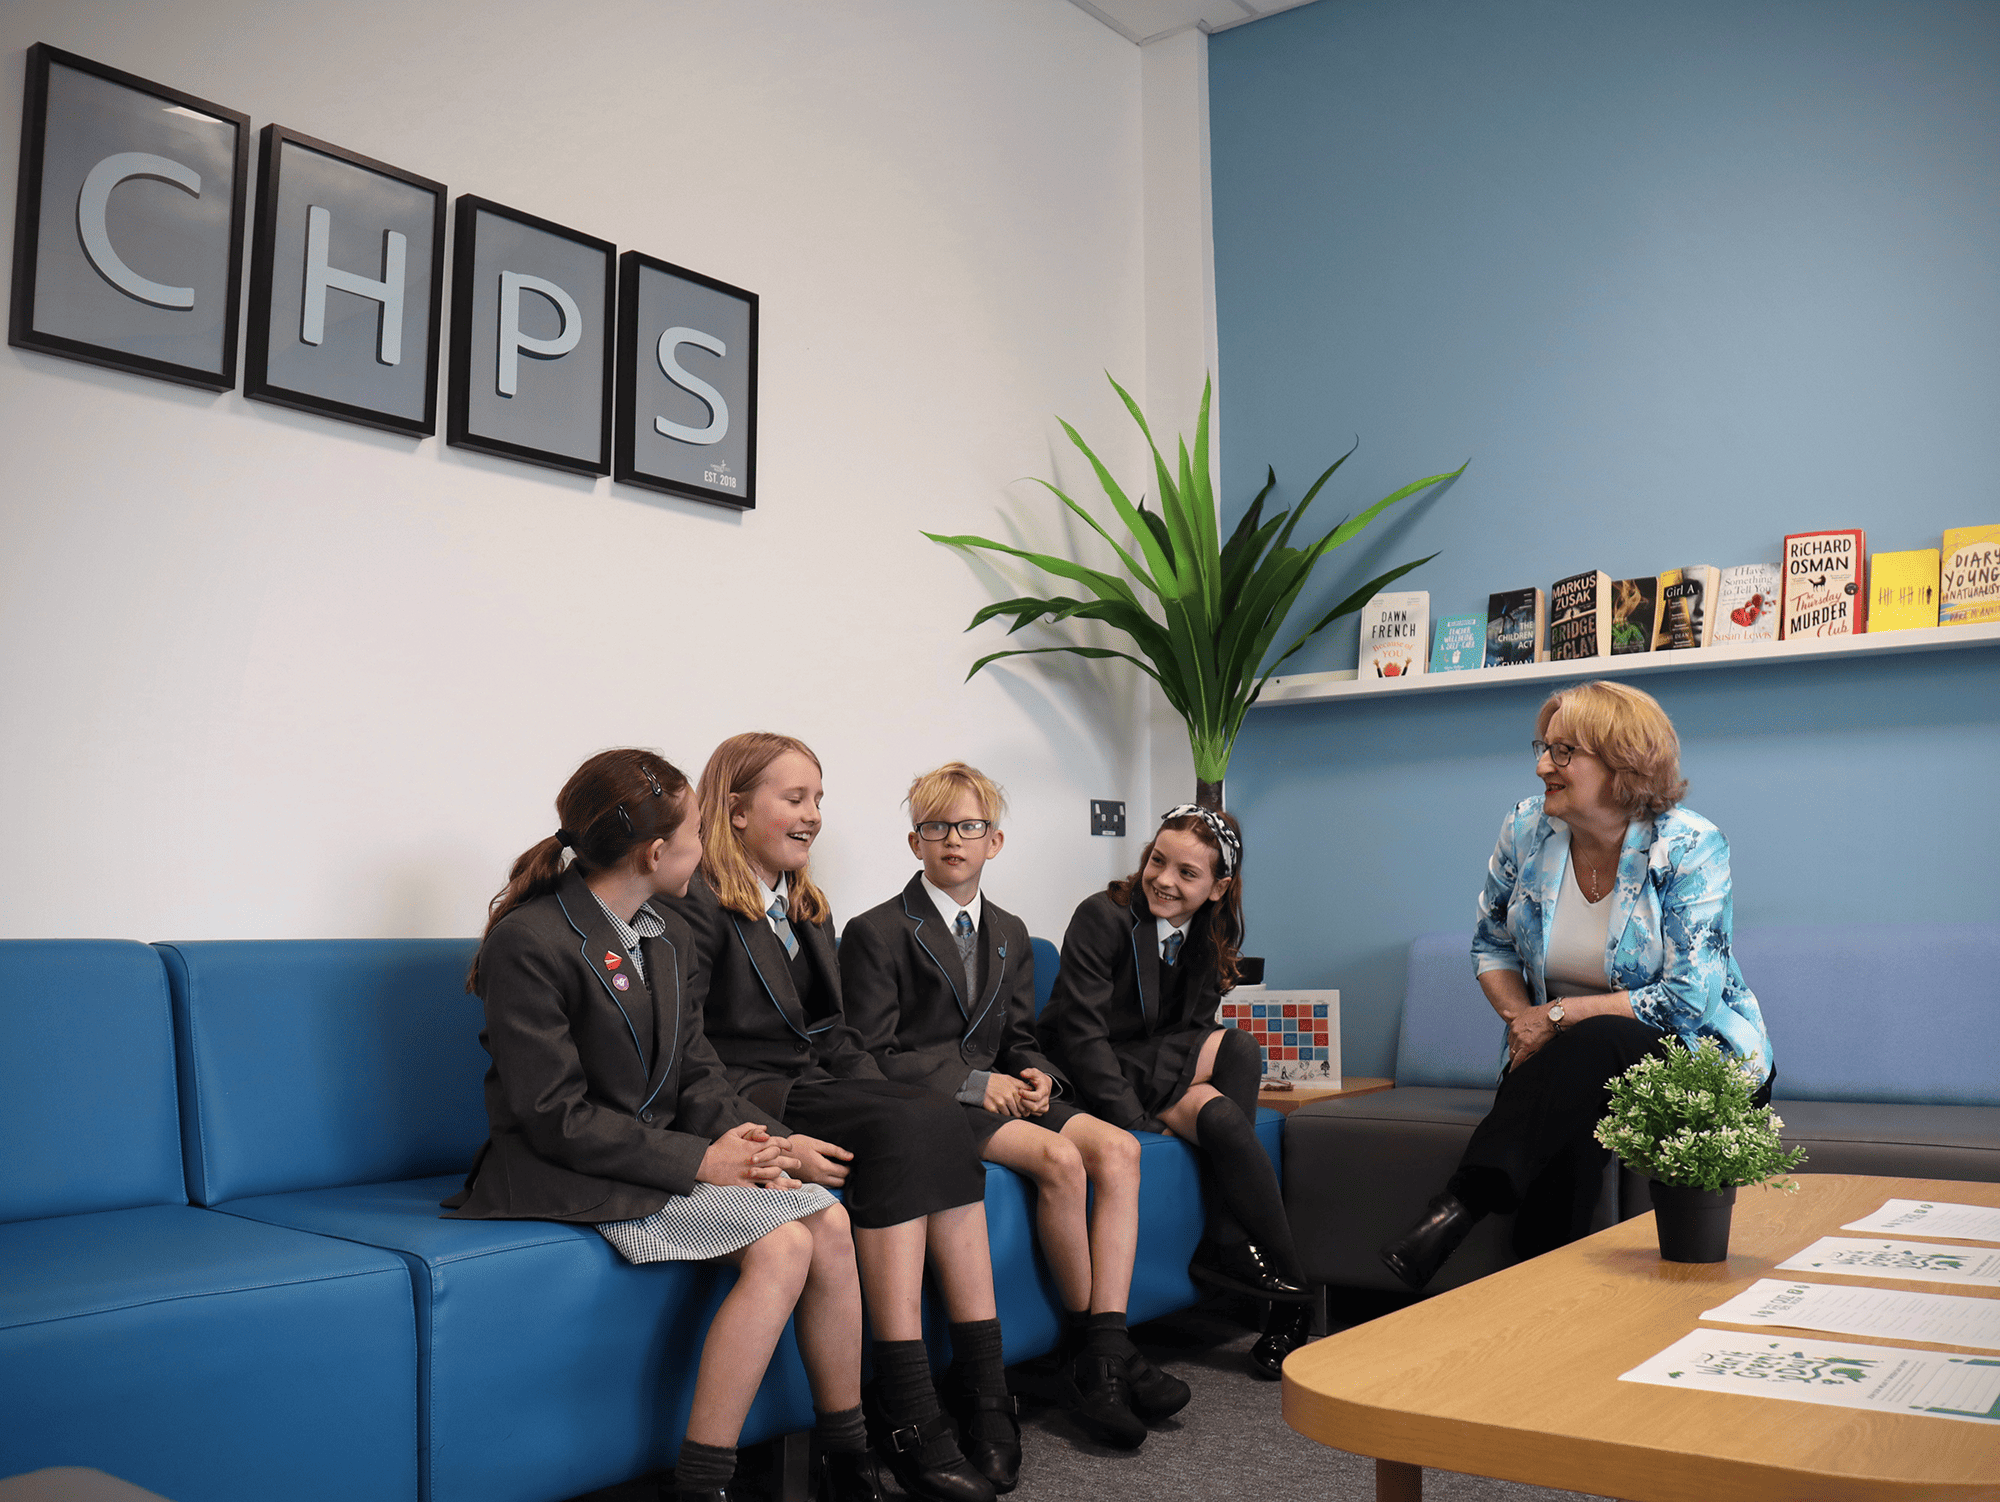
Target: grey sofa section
{"x": 1911, "y": 1099}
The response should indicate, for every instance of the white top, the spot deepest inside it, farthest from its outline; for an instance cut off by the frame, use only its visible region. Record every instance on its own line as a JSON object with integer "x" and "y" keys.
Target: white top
{"x": 768, "y": 895}
{"x": 949, "y": 910}
{"x": 1577, "y": 941}
{"x": 1164, "y": 928}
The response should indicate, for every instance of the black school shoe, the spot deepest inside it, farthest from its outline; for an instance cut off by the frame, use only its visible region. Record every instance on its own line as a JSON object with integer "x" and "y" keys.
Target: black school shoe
{"x": 1155, "y": 1395}
{"x": 1101, "y": 1398}
{"x": 989, "y": 1429}
{"x": 924, "y": 1456}
{"x": 671, "y": 1493}
{"x": 1246, "y": 1269}
{"x": 849, "y": 1476}
{"x": 1416, "y": 1255}
{"x": 1288, "y": 1327}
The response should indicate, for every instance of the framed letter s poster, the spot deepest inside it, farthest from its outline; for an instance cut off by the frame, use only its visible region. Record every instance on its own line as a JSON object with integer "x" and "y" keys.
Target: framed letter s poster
{"x": 687, "y": 383}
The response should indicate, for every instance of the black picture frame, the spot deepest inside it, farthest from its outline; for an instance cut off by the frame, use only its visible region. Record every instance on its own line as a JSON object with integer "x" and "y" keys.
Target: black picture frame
{"x": 272, "y": 204}
{"x": 462, "y": 428}
{"x": 630, "y": 465}
{"x": 23, "y": 329}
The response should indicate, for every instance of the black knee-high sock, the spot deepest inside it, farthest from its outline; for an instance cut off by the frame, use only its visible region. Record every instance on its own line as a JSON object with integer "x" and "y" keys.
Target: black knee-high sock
{"x": 1248, "y": 1182}
{"x": 1238, "y": 1071}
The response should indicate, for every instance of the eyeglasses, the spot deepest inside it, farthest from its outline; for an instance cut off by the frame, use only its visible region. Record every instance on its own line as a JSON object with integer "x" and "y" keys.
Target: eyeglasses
{"x": 1558, "y": 752}
{"x": 968, "y": 829}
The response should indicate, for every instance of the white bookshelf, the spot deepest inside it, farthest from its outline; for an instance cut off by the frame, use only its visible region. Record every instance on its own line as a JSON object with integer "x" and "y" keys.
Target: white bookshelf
{"x": 1313, "y": 688}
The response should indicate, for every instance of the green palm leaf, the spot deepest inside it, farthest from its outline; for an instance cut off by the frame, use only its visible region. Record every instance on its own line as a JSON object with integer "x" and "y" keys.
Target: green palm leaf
{"x": 1221, "y": 604}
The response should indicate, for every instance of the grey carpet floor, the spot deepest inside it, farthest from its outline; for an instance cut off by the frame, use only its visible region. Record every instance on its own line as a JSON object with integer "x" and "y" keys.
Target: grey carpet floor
{"x": 1230, "y": 1442}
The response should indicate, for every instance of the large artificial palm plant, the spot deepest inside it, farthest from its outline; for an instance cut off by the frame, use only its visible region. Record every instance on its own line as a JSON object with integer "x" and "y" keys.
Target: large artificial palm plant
{"x": 1222, "y": 603}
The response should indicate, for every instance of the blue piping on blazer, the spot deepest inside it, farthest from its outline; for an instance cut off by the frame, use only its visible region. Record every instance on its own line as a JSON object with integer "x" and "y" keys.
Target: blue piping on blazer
{"x": 945, "y": 970}
{"x": 770, "y": 995}
{"x": 583, "y": 952}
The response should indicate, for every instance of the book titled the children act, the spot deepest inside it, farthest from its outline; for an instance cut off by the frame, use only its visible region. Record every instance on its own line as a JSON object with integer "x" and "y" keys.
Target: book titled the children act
{"x": 1580, "y": 616}
{"x": 1395, "y": 632}
{"x": 1515, "y": 622}
{"x": 1823, "y": 584}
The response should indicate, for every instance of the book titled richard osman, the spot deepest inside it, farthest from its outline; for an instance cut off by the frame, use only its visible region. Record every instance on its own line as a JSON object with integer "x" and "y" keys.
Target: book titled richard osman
{"x": 1824, "y": 595}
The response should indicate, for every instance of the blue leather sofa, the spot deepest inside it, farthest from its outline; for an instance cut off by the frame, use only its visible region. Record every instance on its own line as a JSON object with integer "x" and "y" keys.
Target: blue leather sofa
{"x": 227, "y": 1278}
{"x": 1885, "y": 1037}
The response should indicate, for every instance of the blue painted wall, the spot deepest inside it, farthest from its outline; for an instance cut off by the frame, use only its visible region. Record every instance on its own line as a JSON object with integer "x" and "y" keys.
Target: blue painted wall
{"x": 1678, "y": 278}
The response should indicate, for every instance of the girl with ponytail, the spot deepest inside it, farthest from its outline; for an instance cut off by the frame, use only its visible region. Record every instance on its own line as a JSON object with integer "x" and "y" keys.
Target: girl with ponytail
{"x": 1132, "y": 1023}
{"x": 607, "y": 1107}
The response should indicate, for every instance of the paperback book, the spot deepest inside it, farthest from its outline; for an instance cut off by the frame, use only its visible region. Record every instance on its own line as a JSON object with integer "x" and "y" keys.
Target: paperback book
{"x": 1633, "y": 610}
{"x": 1580, "y": 616}
{"x": 1822, "y": 588}
{"x": 1903, "y": 590}
{"x": 1746, "y": 604}
{"x": 1969, "y": 591}
{"x": 1395, "y": 631}
{"x": 1459, "y": 644}
{"x": 1686, "y": 619}
{"x": 1515, "y": 628}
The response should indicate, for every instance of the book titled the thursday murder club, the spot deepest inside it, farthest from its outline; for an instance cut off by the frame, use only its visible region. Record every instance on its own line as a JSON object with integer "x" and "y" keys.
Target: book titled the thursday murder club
{"x": 1824, "y": 593}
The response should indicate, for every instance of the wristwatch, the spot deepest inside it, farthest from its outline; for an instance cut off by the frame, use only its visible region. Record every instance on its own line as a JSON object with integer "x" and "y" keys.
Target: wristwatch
{"x": 1556, "y": 1015}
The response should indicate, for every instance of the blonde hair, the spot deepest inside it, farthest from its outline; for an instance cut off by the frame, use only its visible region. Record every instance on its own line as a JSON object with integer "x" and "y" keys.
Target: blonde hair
{"x": 734, "y": 770}
{"x": 1627, "y": 730}
{"x": 933, "y": 794}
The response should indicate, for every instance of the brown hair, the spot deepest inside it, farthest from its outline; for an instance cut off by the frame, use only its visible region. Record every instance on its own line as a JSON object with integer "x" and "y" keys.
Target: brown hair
{"x": 734, "y": 769}
{"x": 934, "y": 792}
{"x": 1626, "y": 729}
{"x": 1225, "y": 917}
{"x": 612, "y": 804}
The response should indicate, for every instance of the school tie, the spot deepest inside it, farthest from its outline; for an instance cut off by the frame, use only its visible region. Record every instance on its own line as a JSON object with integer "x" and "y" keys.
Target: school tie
{"x": 967, "y": 942}
{"x": 1171, "y": 950}
{"x": 784, "y": 929}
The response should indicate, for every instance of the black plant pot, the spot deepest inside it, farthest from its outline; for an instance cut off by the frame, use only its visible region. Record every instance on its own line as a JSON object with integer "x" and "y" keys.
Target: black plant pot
{"x": 1693, "y": 1224}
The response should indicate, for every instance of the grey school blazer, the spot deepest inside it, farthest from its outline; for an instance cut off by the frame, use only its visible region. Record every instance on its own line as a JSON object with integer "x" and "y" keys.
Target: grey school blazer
{"x": 600, "y": 1100}
{"x": 905, "y": 993}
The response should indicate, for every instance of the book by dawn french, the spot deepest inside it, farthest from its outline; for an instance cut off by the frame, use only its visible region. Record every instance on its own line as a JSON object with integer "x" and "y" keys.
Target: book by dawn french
{"x": 1823, "y": 588}
{"x": 1395, "y": 633}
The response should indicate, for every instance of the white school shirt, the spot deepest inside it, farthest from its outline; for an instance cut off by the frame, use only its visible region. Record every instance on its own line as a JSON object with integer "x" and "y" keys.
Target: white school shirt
{"x": 973, "y": 1091}
{"x": 1166, "y": 928}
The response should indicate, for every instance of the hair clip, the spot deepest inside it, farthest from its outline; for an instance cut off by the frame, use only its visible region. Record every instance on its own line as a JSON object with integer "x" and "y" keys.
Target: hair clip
{"x": 626, "y": 819}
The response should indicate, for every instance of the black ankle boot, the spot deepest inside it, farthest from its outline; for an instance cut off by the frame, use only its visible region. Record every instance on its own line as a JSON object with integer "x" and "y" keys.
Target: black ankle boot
{"x": 849, "y": 1476}
{"x": 923, "y": 1455}
{"x": 1247, "y": 1269}
{"x": 989, "y": 1429}
{"x": 1286, "y": 1328}
{"x": 1419, "y": 1252}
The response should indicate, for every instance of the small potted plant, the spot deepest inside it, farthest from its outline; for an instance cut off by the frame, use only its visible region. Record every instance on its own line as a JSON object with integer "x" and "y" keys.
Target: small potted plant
{"x": 1685, "y": 1120}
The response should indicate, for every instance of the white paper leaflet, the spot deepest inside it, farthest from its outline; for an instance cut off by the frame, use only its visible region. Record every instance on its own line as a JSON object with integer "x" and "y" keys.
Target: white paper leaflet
{"x": 1841, "y": 1374}
{"x": 1935, "y": 1318}
{"x": 1931, "y": 1218}
{"x": 1910, "y": 1261}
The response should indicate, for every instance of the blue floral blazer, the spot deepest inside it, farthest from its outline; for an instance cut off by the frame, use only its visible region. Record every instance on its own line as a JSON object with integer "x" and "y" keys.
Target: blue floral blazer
{"x": 1667, "y": 943}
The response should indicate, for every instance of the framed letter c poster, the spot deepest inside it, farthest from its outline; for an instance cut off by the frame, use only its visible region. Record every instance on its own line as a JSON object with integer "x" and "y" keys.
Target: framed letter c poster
{"x": 687, "y": 383}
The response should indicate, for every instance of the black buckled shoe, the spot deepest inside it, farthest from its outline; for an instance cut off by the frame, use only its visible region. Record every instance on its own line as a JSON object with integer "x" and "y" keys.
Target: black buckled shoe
{"x": 1246, "y": 1269}
{"x": 1288, "y": 1327}
{"x": 1155, "y": 1395}
{"x": 1416, "y": 1255}
{"x": 989, "y": 1429}
{"x": 926, "y": 1462}
{"x": 849, "y": 1476}
{"x": 672, "y": 1493}
{"x": 1101, "y": 1398}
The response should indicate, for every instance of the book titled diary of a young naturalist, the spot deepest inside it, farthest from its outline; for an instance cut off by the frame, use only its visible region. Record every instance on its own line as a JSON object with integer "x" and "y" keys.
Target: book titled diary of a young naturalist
{"x": 1686, "y": 619}
{"x": 1746, "y": 604}
{"x": 1903, "y": 590}
{"x": 1969, "y": 593}
{"x": 1459, "y": 644}
{"x": 1823, "y": 590}
{"x": 1633, "y": 603}
{"x": 1515, "y": 622}
{"x": 1395, "y": 632}
{"x": 1580, "y": 616}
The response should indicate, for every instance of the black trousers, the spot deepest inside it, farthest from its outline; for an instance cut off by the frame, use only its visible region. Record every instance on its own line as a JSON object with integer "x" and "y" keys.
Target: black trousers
{"x": 913, "y": 1152}
{"x": 1534, "y": 1154}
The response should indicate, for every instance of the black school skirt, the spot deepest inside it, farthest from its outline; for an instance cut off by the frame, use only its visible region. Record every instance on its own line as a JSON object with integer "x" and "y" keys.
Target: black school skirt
{"x": 914, "y": 1153}
{"x": 985, "y": 1123}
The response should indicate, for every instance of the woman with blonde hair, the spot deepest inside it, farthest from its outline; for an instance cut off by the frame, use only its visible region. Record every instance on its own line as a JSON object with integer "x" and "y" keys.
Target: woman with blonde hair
{"x": 915, "y": 1188}
{"x": 1603, "y": 930}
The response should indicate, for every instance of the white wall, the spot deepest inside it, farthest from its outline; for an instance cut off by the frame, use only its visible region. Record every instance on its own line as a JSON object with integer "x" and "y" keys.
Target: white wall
{"x": 266, "y": 674}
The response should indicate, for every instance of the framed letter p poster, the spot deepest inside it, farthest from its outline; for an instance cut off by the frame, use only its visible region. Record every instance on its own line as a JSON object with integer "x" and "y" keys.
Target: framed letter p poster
{"x": 687, "y": 387}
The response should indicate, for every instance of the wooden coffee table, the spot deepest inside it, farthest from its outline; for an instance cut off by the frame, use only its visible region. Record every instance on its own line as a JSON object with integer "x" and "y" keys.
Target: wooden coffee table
{"x": 1303, "y": 1094}
{"x": 1459, "y": 1382}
